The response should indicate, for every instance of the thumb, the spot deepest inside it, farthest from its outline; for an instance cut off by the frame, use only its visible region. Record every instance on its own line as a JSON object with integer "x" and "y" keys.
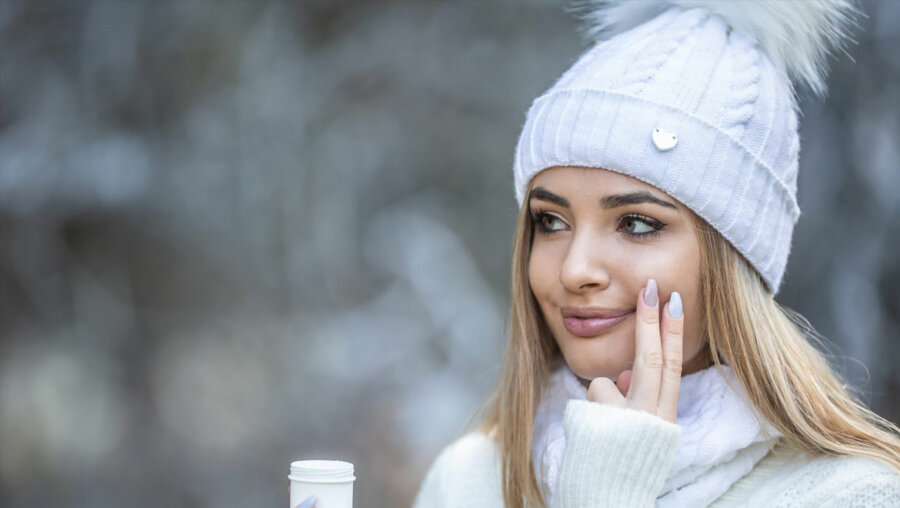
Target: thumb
{"x": 623, "y": 382}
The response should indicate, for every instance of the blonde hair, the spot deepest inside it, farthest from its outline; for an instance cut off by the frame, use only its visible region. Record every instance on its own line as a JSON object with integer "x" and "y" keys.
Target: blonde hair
{"x": 789, "y": 381}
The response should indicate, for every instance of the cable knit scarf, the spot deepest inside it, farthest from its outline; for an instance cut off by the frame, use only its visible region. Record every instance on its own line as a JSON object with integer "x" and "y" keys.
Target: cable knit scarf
{"x": 721, "y": 440}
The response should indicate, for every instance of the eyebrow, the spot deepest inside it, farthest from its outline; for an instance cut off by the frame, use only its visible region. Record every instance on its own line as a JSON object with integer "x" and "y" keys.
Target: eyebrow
{"x": 607, "y": 202}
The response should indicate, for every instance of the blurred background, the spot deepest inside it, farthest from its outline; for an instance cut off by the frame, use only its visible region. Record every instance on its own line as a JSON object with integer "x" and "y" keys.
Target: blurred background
{"x": 235, "y": 234}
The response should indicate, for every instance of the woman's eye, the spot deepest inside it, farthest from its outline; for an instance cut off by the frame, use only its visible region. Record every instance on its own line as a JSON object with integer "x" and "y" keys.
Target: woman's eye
{"x": 636, "y": 226}
{"x": 545, "y": 222}
{"x": 633, "y": 225}
{"x": 548, "y": 220}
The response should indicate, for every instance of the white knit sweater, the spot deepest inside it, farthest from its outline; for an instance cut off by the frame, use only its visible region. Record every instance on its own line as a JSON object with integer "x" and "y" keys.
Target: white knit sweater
{"x": 604, "y": 467}
{"x": 720, "y": 439}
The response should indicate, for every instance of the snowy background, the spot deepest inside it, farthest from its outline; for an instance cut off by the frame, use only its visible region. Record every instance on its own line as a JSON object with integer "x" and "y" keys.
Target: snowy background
{"x": 235, "y": 234}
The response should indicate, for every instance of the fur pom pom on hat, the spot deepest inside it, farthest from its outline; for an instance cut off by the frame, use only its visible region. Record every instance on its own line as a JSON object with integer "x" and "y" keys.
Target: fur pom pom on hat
{"x": 796, "y": 35}
{"x": 695, "y": 97}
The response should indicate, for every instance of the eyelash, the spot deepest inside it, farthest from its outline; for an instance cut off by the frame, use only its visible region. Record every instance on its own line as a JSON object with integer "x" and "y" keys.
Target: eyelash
{"x": 657, "y": 226}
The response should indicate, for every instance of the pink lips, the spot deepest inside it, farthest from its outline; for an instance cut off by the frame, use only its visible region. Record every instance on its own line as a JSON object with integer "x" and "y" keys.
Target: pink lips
{"x": 592, "y": 326}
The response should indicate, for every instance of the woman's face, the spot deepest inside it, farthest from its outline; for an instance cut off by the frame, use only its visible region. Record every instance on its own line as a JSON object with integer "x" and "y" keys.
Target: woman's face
{"x": 598, "y": 236}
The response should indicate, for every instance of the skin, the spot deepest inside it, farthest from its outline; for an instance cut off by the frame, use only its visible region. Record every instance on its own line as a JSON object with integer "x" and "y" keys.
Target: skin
{"x": 588, "y": 260}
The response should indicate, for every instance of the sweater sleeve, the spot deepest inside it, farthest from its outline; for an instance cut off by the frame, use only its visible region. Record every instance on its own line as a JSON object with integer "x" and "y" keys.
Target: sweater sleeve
{"x": 614, "y": 456}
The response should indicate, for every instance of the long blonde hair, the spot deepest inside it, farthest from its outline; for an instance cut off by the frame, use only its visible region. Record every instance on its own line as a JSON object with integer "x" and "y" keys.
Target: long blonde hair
{"x": 788, "y": 380}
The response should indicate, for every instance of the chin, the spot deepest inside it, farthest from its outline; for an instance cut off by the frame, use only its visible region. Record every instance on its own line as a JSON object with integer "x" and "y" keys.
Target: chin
{"x": 588, "y": 369}
{"x": 602, "y": 356}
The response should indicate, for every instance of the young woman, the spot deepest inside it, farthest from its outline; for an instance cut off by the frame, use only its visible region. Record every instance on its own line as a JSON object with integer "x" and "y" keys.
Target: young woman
{"x": 648, "y": 362}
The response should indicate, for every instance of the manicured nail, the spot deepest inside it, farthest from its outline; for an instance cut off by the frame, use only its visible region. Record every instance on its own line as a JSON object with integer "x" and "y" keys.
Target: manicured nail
{"x": 650, "y": 293}
{"x": 675, "y": 305}
{"x": 309, "y": 502}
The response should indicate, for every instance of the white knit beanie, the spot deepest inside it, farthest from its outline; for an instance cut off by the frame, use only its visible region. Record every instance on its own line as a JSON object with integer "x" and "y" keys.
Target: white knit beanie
{"x": 695, "y": 98}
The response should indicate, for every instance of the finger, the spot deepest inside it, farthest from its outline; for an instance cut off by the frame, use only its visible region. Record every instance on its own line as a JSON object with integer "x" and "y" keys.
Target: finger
{"x": 309, "y": 502}
{"x": 673, "y": 357}
{"x": 603, "y": 390}
{"x": 623, "y": 382}
{"x": 644, "y": 391}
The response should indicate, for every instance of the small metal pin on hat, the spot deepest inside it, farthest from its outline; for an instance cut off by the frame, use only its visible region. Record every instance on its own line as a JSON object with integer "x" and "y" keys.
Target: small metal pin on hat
{"x": 664, "y": 140}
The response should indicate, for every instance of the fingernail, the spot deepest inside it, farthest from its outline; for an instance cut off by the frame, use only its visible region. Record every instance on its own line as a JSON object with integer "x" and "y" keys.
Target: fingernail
{"x": 650, "y": 293}
{"x": 309, "y": 502}
{"x": 629, "y": 365}
{"x": 675, "y": 305}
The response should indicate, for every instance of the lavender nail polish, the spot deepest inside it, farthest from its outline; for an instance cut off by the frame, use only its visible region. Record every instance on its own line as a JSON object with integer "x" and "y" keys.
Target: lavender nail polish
{"x": 650, "y": 296}
{"x": 675, "y": 305}
{"x": 309, "y": 502}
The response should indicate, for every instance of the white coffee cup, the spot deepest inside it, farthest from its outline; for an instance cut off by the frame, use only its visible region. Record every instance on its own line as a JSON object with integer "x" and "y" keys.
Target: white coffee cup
{"x": 330, "y": 481}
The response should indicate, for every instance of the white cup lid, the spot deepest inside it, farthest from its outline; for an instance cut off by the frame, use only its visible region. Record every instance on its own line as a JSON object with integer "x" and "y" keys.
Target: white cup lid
{"x": 322, "y": 471}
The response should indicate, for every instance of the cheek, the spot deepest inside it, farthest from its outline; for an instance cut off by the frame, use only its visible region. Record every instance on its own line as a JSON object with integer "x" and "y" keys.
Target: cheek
{"x": 683, "y": 275}
{"x": 693, "y": 329}
{"x": 676, "y": 267}
{"x": 667, "y": 261}
{"x": 540, "y": 273}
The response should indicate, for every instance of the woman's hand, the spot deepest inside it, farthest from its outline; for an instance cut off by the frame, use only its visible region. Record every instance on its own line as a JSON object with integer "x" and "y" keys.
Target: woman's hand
{"x": 309, "y": 502}
{"x": 653, "y": 384}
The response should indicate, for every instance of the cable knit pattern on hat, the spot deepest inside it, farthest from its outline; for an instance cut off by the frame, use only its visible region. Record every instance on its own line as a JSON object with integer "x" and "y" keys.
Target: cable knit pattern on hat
{"x": 721, "y": 440}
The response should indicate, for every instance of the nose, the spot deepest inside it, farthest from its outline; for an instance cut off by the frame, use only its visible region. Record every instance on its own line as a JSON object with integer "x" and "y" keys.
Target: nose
{"x": 584, "y": 267}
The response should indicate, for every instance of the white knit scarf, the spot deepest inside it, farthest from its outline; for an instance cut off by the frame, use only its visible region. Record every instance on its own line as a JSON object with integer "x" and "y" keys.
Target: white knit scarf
{"x": 721, "y": 440}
